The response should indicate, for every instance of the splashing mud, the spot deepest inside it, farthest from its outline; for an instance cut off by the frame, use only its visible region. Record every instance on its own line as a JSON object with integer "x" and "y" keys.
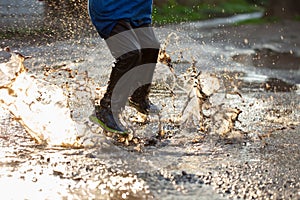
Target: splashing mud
{"x": 39, "y": 106}
{"x": 51, "y": 114}
{"x": 177, "y": 154}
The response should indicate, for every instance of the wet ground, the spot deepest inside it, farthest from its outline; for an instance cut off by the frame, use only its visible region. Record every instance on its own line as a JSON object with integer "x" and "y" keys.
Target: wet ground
{"x": 258, "y": 158}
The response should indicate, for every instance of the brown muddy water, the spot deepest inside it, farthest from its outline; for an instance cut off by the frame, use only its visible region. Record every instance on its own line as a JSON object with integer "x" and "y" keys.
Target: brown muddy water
{"x": 242, "y": 142}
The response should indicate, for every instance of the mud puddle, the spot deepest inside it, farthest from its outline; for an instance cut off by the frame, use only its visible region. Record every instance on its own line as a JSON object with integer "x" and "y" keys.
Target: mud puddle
{"x": 279, "y": 70}
{"x": 256, "y": 158}
{"x": 253, "y": 82}
{"x": 181, "y": 163}
{"x": 268, "y": 58}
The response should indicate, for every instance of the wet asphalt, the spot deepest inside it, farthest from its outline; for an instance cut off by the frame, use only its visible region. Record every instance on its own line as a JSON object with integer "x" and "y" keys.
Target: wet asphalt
{"x": 258, "y": 159}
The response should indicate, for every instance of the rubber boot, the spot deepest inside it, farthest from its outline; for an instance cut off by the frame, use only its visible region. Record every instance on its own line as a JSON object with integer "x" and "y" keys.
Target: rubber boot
{"x": 140, "y": 98}
{"x": 108, "y": 120}
{"x": 116, "y": 95}
{"x": 141, "y": 102}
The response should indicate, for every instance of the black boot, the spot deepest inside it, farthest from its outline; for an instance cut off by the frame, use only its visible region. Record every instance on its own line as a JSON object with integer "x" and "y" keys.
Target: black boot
{"x": 108, "y": 121}
{"x": 140, "y": 98}
{"x": 116, "y": 94}
{"x": 106, "y": 118}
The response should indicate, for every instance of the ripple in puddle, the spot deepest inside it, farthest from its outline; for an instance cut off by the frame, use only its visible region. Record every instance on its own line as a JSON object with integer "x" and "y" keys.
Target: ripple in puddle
{"x": 268, "y": 58}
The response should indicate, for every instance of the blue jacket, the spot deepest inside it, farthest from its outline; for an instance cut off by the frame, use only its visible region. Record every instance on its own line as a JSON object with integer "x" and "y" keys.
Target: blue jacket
{"x": 105, "y": 13}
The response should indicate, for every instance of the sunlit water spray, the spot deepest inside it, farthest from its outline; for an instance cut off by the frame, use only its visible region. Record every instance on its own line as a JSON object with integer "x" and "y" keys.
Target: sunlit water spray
{"x": 193, "y": 91}
{"x": 41, "y": 107}
{"x": 54, "y": 107}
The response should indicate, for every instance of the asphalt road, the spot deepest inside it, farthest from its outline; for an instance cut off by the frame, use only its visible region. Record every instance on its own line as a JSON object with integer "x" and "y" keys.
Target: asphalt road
{"x": 258, "y": 159}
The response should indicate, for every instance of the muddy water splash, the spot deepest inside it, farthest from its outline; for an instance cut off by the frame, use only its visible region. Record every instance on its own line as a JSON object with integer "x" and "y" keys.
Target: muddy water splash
{"x": 39, "y": 106}
{"x": 54, "y": 107}
{"x": 195, "y": 91}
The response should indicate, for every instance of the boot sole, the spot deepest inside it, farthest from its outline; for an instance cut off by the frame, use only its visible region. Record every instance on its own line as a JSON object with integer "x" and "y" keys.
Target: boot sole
{"x": 94, "y": 119}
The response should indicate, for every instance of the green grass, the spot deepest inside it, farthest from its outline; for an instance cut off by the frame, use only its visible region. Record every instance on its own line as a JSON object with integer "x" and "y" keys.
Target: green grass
{"x": 174, "y": 13}
{"x": 297, "y": 18}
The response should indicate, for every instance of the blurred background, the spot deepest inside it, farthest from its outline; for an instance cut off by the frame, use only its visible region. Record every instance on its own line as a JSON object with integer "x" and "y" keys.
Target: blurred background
{"x": 69, "y": 18}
